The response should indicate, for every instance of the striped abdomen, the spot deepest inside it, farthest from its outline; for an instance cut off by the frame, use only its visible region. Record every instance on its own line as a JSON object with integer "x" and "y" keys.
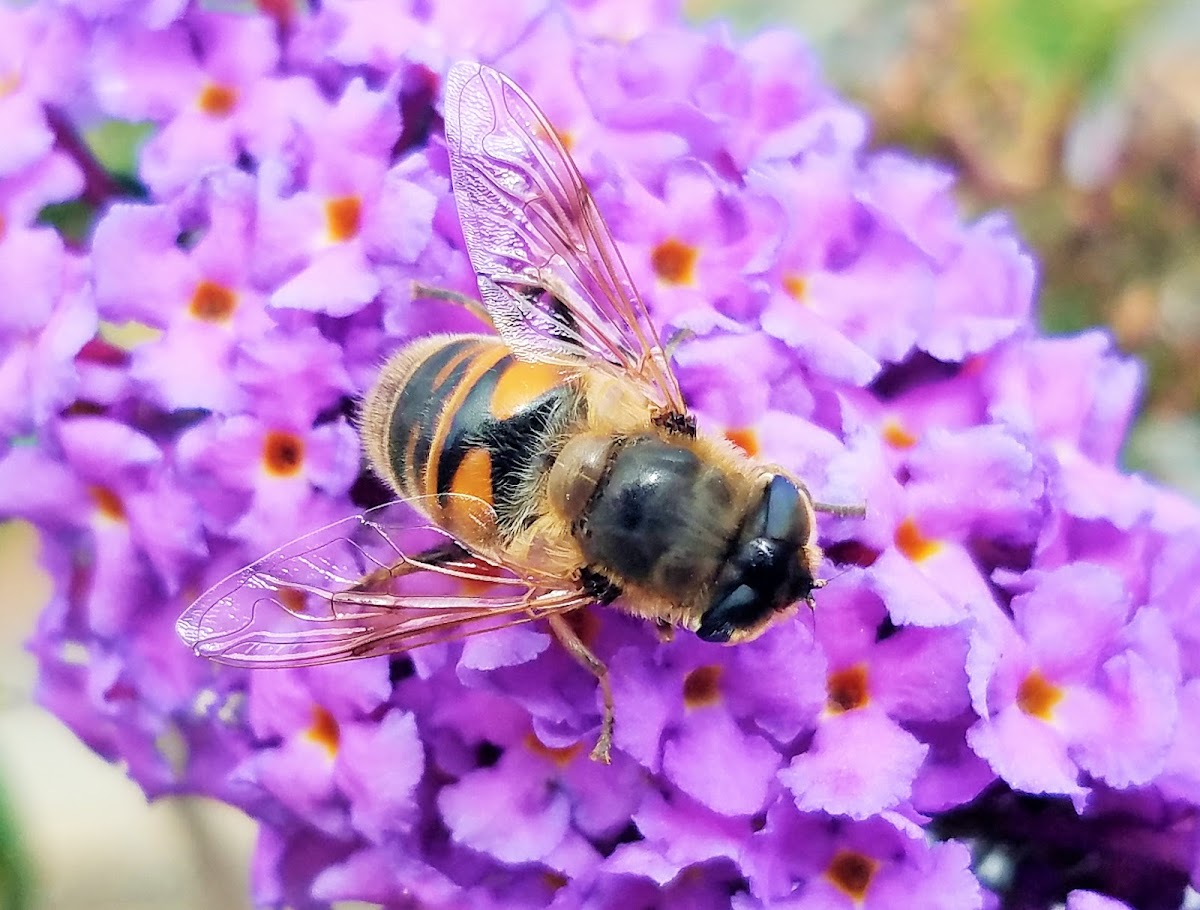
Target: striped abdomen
{"x": 460, "y": 414}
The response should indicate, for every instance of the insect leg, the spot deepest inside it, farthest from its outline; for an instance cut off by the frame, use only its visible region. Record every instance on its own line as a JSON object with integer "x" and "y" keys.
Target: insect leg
{"x": 674, "y": 422}
{"x": 841, "y": 511}
{"x": 442, "y": 554}
{"x": 467, "y": 302}
{"x": 598, "y": 587}
{"x": 827, "y": 508}
{"x": 678, "y": 336}
{"x": 574, "y": 644}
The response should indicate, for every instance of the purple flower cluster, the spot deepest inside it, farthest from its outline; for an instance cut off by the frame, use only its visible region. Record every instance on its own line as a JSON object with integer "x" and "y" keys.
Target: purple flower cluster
{"x": 997, "y": 699}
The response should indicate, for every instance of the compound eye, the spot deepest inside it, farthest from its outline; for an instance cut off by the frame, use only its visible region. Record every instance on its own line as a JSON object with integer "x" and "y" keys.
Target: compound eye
{"x": 576, "y": 473}
{"x": 735, "y": 610}
{"x": 764, "y": 563}
{"x": 782, "y": 505}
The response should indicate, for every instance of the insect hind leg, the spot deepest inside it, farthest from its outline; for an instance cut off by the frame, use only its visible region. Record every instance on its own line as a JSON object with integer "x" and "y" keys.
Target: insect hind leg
{"x": 531, "y": 292}
{"x": 444, "y": 554}
{"x": 466, "y": 301}
{"x": 602, "y": 751}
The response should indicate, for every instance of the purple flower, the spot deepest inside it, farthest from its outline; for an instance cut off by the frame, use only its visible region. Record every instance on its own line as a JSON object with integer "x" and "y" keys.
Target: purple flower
{"x": 1051, "y": 692}
{"x": 205, "y": 79}
{"x": 879, "y": 863}
{"x": 1000, "y": 670}
{"x": 40, "y": 337}
{"x": 203, "y": 299}
{"x": 688, "y": 244}
{"x": 865, "y": 757}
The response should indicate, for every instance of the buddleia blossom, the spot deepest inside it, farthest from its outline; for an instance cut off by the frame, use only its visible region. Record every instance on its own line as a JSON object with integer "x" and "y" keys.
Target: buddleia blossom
{"x": 996, "y": 697}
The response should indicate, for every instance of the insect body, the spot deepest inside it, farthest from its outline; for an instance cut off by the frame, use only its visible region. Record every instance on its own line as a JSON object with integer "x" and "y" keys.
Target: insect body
{"x": 461, "y": 415}
{"x": 547, "y": 467}
{"x": 567, "y": 473}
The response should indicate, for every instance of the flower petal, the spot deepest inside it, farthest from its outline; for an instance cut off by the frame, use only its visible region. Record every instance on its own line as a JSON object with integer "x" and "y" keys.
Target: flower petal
{"x": 717, "y": 764}
{"x": 859, "y": 764}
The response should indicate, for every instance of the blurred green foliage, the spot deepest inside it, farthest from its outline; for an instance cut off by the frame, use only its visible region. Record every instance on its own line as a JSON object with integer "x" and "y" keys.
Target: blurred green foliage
{"x": 15, "y": 881}
{"x": 1048, "y": 46}
{"x": 116, "y": 145}
{"x": 113, "y": 146}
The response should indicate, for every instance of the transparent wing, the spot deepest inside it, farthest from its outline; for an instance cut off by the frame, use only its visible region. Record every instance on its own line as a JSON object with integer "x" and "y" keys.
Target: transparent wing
{"x": 549, "y": 272}
{"x": 386, "y": 581}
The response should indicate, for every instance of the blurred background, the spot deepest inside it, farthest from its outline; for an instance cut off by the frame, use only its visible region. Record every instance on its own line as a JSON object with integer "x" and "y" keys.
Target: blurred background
{"x": 1081, "y": 117}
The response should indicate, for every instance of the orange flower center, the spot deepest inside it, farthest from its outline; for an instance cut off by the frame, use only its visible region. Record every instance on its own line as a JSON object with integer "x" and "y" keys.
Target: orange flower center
{"x": 292, "y": 599}
{"x": 108, "y": 503}
{"x": 343, "y": 217}
{"x": 895, "y": 435}
{"x": 701, "y": 687}
{"x": 674, "y": 262}
{"x": 852, "y": 552}
{"x": 847, "y": 689}
{"x": 913, "y": 544}
{"x": 851, "y": 873}
{"x": 1037, "y": 696}
{"x": 212, "y": 302}
{"x": 324, "y": 731}
{"x": 283, "y": 453}
{"x": 796, "y": 287}
{"x": 561, "y": 756}
{"x": 744, "y": 438}
{"x": 217, "y": 100}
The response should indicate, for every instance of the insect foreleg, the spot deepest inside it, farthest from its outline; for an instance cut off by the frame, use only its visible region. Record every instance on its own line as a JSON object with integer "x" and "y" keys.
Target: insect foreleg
{"x": 840, "y": 511}
{"x": 574, "y": 644}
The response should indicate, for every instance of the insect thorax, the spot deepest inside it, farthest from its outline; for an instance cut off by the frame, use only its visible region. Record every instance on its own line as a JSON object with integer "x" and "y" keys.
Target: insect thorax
{"x": 662, "y": 517}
